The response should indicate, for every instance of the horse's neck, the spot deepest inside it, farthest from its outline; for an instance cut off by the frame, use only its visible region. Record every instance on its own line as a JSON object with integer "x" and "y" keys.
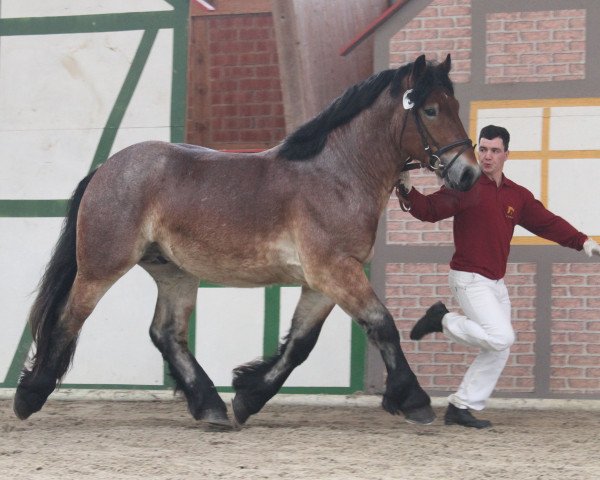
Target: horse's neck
{"x": 367, "y": 154}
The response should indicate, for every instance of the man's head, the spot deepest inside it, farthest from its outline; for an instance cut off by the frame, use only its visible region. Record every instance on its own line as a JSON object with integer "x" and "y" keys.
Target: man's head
{"x": 493, "y": 151}
{"x": 493, "y": 131}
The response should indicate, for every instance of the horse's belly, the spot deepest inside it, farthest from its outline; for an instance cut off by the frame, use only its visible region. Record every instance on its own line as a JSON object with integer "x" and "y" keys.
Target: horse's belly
{"x": 246, "y": 275}
{"x": 249, "y": 268}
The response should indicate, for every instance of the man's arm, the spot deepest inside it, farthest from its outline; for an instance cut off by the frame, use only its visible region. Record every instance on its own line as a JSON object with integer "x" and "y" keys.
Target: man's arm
{"x": 539, "y": 220}
{"x": 442, "y": 204}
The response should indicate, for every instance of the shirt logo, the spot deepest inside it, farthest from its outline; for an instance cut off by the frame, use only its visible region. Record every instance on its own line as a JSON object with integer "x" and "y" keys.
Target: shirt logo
{"x": 510, "y": 212}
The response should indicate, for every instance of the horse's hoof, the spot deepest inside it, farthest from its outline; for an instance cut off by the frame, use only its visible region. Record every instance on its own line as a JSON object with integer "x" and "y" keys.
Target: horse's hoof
{"x": 22, "y": 411}
{"x": 240, "y": 413}
{"x": 422, "y": 415}
{"x": 26, "y": 403}
{"x": 216, "y": 419}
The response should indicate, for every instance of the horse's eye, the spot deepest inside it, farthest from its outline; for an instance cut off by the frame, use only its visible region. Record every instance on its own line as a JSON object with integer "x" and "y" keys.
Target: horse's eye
{"x": 430, "y": 111}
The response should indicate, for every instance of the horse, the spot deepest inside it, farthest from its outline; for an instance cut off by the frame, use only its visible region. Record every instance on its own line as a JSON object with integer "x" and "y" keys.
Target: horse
{"x": 304, "y": 212}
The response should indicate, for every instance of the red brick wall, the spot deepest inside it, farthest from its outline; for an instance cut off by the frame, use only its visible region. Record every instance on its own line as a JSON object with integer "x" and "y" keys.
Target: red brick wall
{"x": 234, "y": 87}
{"x": 403, "y": 228}
{"x": 575, "y": 358}
{"x": 443, "y": 27}
{"x": 541, "y": 46}
{"x": 520, "y": 46}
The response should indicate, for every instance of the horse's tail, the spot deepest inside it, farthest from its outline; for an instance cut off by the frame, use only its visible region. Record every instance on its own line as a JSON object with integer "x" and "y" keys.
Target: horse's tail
{"x": 56, "y": 284}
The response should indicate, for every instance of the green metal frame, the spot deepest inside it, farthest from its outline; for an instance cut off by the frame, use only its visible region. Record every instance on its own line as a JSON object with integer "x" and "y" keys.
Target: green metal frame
{"x": 150, "y": 23}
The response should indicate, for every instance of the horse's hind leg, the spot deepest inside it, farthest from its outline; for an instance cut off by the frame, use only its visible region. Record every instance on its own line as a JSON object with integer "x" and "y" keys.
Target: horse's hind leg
{"x": 256, "y": 382}
{"x": 177, "y": 291}
{"x": 55, "y": 346}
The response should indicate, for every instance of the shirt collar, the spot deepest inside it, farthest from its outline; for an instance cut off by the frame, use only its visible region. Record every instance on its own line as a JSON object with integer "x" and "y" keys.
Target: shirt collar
{"x": 484, "y": 179}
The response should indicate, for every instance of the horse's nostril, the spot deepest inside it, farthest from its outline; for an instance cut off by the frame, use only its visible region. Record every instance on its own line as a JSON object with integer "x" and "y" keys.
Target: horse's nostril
{"x": 466, "y": 180}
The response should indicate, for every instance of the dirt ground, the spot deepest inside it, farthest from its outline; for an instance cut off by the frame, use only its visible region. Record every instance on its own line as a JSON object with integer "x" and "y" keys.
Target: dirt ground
{"x": 160, "y": 440}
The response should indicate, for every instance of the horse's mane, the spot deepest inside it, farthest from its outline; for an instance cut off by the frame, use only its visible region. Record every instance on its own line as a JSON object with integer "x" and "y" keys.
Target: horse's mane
{"x": 310, "y": 139}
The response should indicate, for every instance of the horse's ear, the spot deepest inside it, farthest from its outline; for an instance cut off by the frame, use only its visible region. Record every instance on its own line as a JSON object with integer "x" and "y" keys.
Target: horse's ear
{"x": 418, "y": 69}
{"x": 446, "y": 65}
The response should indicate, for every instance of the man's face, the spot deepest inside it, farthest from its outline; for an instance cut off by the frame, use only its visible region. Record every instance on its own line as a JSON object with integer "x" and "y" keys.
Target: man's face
{"x": 492, "y": 156}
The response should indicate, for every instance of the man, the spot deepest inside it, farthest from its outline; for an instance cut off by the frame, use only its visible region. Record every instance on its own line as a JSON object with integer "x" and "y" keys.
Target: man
{"x": 484, "y": 221}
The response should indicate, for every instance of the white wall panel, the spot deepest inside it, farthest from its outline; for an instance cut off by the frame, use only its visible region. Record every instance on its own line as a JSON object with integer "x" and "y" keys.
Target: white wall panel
{"x": 44, "y": 164}
{"x": 82, "y": 75}
{"x": 229, "y": 329}
{"x": 573, "y": 192}
{"x": 575, "y": 128}
{"x": 524, "y": 125}
{"x": 329, "y": 363}
{"x": 25, "y": 247}
{"x": 114, "y": 345}
{"x": 51, "y": 123}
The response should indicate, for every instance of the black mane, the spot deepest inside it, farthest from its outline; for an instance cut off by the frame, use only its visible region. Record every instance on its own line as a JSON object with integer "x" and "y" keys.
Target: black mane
{"x": 310, "y": 139}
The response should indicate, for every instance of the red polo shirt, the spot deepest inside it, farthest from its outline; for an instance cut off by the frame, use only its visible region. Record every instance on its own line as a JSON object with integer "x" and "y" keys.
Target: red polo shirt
{"x": 484, "y": 221}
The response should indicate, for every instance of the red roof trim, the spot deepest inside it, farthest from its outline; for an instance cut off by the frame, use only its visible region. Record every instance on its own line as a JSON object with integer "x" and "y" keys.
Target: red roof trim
{"x": 206, "y": 5}
{"x": 384, "y": 17}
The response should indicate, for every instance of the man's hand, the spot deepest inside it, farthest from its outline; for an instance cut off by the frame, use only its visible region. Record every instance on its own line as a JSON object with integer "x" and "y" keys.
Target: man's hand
{"x": 403, "y": 186}
{"x": 590, "y": 247}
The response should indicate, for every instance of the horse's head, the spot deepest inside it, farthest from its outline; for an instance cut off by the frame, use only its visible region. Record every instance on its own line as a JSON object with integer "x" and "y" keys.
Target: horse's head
{"x": 428, "y": 126}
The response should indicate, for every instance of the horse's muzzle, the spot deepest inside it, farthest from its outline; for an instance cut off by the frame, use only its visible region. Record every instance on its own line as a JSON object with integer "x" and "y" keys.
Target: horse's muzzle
{"x": 468, "y": 178}
{"x": 462, "y": 175}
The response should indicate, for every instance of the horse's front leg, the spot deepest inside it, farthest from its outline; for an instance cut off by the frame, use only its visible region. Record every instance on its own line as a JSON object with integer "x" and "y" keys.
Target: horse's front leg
{"x": 256, "y": 382}
{"x": 349, "y": 287}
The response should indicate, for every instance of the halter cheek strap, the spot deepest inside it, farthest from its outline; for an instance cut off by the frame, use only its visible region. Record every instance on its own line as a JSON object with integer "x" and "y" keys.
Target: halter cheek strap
{"x": 435, "y": 158}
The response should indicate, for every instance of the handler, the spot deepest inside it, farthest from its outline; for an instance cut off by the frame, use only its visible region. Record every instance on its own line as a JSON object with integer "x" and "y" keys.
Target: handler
{"x": 484, "y": 222}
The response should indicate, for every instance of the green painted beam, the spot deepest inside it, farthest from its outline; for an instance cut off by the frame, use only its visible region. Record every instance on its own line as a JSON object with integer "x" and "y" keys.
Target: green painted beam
{"x": 33, "y": 208}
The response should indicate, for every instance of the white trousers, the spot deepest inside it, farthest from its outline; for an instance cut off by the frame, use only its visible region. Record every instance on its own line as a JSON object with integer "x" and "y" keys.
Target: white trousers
{"x": 487, "y": 326}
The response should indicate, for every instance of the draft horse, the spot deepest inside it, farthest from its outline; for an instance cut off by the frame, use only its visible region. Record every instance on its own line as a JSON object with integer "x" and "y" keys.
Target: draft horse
{"x": 304, "y": 212}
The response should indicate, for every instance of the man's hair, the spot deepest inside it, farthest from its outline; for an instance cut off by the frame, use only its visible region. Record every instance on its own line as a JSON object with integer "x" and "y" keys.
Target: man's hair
{"x": 493, "y": 131}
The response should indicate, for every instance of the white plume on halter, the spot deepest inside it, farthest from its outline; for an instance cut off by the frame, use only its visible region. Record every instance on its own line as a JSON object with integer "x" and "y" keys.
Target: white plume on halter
{"x": 407, "y": 103}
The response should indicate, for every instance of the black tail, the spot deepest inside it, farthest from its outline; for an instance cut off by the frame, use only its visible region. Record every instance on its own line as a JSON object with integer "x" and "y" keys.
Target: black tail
{"x": 55, "y": 286}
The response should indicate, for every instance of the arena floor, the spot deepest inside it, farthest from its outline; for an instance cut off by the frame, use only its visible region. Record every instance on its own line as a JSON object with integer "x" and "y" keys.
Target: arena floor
{"x": 159, "y": 440}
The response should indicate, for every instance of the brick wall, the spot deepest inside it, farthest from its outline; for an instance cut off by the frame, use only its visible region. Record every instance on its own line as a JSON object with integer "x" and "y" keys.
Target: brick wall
{"x": 540, "y": 46}
{"x": 235, "y": 98}
{"x": 520, "y": 46}
{"x": 575, "y": 358}
{"x": 443, "y": 27}
{"x": 403, "y": 228}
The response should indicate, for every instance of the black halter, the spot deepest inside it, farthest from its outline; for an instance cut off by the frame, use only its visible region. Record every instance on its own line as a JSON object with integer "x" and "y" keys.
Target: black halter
{"x": 434, "y": 158}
